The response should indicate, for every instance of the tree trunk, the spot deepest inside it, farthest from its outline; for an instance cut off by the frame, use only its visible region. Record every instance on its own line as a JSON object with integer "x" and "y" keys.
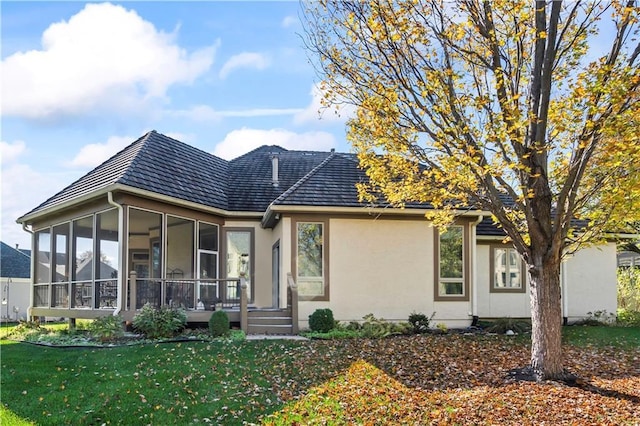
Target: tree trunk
{"x": 546, "y": 317}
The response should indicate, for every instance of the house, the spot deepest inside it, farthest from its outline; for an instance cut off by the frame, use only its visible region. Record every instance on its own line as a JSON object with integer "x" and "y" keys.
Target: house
{"x": 15, "y": 279}
{"x": 178, "y": 226}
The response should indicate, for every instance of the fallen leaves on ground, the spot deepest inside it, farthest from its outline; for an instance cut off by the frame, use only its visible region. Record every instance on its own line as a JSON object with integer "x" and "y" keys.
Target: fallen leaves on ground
{"x": 462, "y": 380}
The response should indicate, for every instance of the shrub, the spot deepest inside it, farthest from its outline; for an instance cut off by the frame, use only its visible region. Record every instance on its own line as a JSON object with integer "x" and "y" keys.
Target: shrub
{"x": 107, "y": 328}
{"x": 629, "y": 318}
{"x": 219, "y": 324}
{"x": 502, "y": 325}
{"x": 420, "y": 322}
{"x": 322, "y": 320}
{"x": 159, "y": 323}
{"x": 377, "y": 328}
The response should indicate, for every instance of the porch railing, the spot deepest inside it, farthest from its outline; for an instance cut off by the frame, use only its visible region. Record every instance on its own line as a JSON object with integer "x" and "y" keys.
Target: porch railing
{"x": 189, "y": 294}
{"x": 101, "y": 294}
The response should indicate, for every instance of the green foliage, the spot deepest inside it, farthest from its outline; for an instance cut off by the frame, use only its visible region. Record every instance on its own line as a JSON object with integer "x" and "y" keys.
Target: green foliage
{"x": 502, "y": 325}
{"x": 420, "y": 322}
{"x": 107, "y": 328}
{"x": 342, "y": 333}
{"x": 377, "y": 328}
{"x": 159, "y": 323}
{"x": 219, "y": 324}
{"x": 628, "y": 318}
{"x": 321, "y": 320}
{"x": 629, "y": 288}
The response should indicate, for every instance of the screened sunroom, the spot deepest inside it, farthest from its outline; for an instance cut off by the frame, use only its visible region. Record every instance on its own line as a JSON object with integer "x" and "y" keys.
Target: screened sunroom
{"x": 120, "y": 259}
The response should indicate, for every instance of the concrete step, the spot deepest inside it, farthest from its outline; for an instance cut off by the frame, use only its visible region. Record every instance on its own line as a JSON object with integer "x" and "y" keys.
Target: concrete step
{"x": 270, "y": 320}
{"x": 270, "y": 329}
{"x": 252, "y": 313}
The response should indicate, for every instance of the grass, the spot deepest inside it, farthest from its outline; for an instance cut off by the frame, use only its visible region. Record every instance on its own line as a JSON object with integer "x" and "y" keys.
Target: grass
{"x": 235, "y": 382}
{"x": 581, "y": 336}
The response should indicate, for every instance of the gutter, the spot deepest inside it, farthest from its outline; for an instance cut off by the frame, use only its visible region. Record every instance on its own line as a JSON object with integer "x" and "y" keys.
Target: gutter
{"x": 32, "y": 263}
{"x": 122, "y": 266}
{"x": 474, "y": 268}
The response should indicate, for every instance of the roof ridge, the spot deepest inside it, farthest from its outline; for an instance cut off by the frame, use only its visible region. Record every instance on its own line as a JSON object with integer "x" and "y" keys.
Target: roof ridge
{"x": 254, "y": 150}
{"x": 304, "y": 178}
{"x": 136, "y": 154}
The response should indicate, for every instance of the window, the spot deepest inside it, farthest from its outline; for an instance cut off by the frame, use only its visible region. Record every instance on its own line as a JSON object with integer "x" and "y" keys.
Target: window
{"x": 451, "y": 248}
{"x": 311, "y": 260}
{"x": 506, "y": 270}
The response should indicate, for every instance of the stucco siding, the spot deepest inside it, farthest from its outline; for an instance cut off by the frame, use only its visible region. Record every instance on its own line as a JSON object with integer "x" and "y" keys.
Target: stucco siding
{"x": 383, "y": 267}
{"x": 497, "y": 305}
{"x": 591, "y": 281}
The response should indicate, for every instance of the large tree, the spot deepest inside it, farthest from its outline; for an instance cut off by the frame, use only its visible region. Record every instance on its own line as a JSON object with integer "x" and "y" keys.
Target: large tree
{"x": 529, "y": 110}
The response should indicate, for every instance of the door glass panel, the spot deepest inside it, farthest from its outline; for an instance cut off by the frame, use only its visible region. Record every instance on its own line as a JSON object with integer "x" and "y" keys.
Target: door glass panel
{"x": 238, "y": 261}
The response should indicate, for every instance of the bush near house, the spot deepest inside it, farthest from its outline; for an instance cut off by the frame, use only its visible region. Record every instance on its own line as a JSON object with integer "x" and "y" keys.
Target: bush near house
{"x": 219, "y": 324}
{"x": 321, "y": 321}
{"x": 159, "y": 323}
{"x": 107, "y": 328}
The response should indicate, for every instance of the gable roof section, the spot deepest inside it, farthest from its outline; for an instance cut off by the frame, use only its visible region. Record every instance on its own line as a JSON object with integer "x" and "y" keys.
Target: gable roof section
{"x": 251, "y": 186}
{"x": 330, "y": 183}
{"x": 14, "y": 263}
{"x": 159, "y": 164}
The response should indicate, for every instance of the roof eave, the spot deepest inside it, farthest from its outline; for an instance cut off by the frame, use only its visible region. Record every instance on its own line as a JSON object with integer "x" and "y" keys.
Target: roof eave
{"x": 28, "y": 218}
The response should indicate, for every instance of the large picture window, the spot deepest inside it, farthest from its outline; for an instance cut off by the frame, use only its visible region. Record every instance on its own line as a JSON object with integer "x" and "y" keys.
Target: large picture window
{"x": 310, "y": 260}
{"x": 451, "y": 268}
{"x": 506, "y": 270}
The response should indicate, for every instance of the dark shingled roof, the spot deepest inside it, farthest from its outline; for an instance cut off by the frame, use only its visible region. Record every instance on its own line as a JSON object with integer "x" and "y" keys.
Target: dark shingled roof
{"x": 160, "y": 164}
{"x": 251, "y": 186}
{"x": 14, "y": 263}
{"x": 165, "y": 166}
{"x": 331, "y": 183}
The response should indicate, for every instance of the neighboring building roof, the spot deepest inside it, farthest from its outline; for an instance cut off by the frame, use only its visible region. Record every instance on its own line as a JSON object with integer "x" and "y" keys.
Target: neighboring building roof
{"x": 14, "y": 263}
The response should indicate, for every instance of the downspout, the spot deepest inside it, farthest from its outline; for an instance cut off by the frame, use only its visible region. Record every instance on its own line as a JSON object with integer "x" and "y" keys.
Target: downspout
{"x": 474, "y": 269}
{"x": 120, "y": 256}
{"x": 33, "y": 260}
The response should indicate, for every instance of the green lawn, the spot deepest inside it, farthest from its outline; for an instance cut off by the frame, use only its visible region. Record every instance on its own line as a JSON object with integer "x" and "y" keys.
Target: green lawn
{"x": 236, "y": 382}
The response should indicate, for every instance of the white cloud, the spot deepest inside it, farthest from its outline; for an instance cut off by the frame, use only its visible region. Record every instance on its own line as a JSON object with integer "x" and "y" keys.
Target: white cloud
{"x": 103, "y": 58}
{"x": 241, "y": 141}
{"x": 317, "y": 113}
{"x": 290, "y": 21}
{"x": 23, "y": 189}
{"x": 244, "y": 60}
{"x": 96, "y": 153}
{"x": 207, "y": 114}
{"x": 9, "y": 152}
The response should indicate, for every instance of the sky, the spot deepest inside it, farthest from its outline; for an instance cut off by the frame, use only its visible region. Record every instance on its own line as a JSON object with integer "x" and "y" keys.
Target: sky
{"x": 81, "y": 81}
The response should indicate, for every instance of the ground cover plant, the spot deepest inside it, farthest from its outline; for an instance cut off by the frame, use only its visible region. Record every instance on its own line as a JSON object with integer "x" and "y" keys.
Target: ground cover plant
{"x": 426, "y": 378}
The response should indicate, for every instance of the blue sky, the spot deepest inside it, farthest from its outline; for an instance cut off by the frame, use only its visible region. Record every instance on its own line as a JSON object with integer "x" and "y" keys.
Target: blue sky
{"x": 80, "y": 81}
